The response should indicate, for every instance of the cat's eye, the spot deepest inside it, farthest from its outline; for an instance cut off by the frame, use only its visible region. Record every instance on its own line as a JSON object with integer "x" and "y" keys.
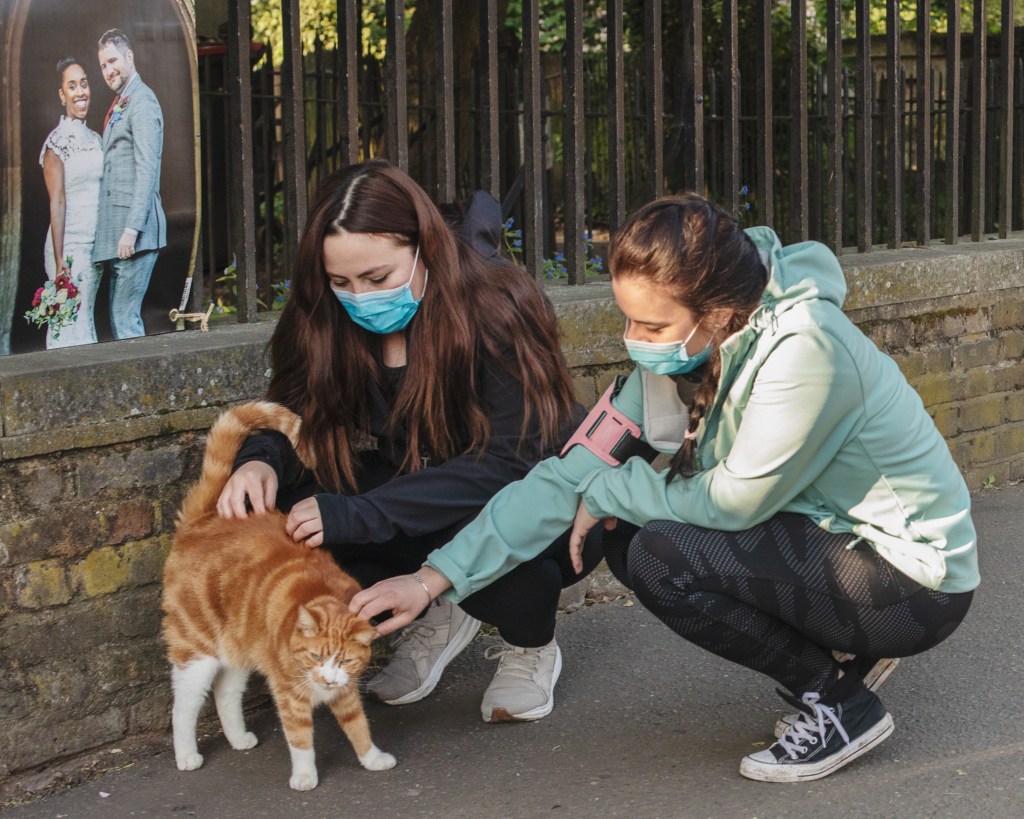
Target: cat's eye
{"x": 316, "y": 657}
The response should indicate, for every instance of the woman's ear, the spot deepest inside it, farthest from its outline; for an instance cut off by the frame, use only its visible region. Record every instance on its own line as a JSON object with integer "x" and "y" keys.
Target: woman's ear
{"x": 719, "y": 318}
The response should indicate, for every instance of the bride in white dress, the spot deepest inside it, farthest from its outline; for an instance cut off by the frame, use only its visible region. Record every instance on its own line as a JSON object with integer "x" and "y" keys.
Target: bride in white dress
{"x": 72, "y": 160}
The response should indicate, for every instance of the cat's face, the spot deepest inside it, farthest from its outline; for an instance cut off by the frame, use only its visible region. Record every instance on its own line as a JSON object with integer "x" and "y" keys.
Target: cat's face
{"x": 330, "y": 645}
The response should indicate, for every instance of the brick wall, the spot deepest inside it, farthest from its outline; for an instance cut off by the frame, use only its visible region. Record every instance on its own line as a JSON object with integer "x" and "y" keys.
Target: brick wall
{"x": 99, "y": 445}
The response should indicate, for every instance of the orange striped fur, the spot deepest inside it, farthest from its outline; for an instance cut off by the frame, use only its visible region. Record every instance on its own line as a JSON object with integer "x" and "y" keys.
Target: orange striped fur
{"x": 241, "y": 596}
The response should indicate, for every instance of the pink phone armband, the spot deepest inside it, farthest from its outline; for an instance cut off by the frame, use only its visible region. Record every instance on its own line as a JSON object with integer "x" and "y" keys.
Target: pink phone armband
{"x": 610, "y": 434}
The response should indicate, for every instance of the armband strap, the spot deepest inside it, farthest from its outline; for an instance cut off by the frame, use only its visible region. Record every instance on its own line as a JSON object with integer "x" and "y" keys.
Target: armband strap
{"x": 610, "y": 434}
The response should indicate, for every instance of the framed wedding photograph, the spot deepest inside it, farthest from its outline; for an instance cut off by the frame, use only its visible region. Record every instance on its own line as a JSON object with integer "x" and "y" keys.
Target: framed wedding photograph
{"x": 98, "y": 169}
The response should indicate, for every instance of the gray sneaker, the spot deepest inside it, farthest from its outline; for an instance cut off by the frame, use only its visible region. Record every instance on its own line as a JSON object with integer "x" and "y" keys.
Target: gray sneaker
{"x": 874, "y": 676}
{"x": 523, "y": 687}
{"x": 422, "y": 651}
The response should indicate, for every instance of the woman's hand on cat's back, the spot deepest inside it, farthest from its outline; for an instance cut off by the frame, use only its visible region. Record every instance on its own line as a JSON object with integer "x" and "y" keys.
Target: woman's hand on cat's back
{"x": 255, "y": 481}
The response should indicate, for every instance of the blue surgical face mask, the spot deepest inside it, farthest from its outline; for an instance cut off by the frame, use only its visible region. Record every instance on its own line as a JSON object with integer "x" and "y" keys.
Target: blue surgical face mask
{"x": 384, "y": 311}
{"x": 669, "y": 358}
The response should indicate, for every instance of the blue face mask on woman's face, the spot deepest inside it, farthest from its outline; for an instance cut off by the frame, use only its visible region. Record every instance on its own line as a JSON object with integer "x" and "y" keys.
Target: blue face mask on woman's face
{"x": 384, "y": 311}
{"x": 669, "y": 358}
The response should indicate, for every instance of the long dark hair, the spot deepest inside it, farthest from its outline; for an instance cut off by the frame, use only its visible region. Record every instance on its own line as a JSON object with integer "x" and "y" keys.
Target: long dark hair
{"x": 323, "y": 363}
{"x": 702, "y": 256}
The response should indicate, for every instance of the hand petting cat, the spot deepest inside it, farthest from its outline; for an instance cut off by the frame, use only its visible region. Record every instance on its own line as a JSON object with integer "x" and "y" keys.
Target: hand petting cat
{"x": 402, "y": 595}
{"x": 305, "y": 524}
{"x": 255, "y": 481}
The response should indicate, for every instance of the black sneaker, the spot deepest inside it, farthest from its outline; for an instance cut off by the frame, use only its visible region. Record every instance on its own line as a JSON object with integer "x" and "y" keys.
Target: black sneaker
{"x": 824, "y": 739}
{"x": 873, "y": 672}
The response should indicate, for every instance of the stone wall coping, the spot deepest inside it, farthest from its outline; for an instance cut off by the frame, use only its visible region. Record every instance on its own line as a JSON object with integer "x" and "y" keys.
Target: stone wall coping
{"x": 124, "y": 391}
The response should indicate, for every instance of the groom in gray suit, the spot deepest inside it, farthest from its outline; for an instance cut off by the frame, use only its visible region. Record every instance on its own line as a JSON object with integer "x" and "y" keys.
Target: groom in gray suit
{"x": 131, "y": 226}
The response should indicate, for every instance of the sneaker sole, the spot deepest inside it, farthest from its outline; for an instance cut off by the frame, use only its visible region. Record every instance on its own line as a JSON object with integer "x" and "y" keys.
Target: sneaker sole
{"x": 463, "y": 637}
{"x": 807, "y": 772}
{"x": 878, "y": 674}
{"x": 502, "y": 715}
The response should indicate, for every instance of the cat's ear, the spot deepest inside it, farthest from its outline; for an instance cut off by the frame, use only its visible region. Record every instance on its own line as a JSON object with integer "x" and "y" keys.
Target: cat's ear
{"x": 306, "y": 623}
{"x": 363, "y": 636}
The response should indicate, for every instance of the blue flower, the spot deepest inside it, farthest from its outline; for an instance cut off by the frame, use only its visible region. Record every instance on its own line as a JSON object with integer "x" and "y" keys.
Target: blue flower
{"x": 744, "y": 190}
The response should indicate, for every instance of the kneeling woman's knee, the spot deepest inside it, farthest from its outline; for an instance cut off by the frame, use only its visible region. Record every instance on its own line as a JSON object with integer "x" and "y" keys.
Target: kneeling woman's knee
{"x": 658, "y": 563}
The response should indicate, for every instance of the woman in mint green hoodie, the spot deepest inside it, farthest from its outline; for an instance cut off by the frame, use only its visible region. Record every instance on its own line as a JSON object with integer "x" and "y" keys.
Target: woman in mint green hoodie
{"x": 810, "y": 512}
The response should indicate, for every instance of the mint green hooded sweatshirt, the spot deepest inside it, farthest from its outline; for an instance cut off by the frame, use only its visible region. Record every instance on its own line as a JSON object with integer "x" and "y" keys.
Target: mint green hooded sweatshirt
{"x": 810, "y": 417}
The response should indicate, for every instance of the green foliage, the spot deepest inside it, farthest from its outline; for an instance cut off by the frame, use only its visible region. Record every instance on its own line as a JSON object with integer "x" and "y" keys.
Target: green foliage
{"x": 551, "y": 15}
{"x": 319, "y": 22}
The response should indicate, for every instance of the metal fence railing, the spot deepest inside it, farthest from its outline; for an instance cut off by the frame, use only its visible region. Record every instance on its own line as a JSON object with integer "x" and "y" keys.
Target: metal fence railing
{"x": 870, "y": 135}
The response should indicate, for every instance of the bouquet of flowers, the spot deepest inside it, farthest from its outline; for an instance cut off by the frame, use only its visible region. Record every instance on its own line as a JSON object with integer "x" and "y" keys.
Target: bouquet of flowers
{"x": 55, "y": 304}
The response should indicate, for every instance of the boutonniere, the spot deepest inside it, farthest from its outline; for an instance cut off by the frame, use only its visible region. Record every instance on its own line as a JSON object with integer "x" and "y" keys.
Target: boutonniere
{"x": 119, "y": 109}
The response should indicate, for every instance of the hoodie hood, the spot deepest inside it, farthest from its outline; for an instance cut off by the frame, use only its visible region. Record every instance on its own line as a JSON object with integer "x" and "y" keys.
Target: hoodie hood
{"x": 797, "y": 273}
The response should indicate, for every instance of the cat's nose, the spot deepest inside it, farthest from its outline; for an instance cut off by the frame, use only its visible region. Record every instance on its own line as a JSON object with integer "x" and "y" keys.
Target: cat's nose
{"x": 333, "y": 676}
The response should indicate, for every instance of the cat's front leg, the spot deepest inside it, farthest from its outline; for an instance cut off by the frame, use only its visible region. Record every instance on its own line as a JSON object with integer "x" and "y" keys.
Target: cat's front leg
{"x": 304, "y": 776}
{"x": 190, "y": 683}
{"x": 297, "y": 721}
{"x": 347, "y": 708}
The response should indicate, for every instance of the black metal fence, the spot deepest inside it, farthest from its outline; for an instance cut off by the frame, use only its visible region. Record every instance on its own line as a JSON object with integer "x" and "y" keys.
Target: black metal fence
{"x": 906, "y": 137}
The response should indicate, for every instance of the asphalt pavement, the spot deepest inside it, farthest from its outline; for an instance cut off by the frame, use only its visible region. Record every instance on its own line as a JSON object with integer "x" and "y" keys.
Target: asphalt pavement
{"x": 645, "y": 725}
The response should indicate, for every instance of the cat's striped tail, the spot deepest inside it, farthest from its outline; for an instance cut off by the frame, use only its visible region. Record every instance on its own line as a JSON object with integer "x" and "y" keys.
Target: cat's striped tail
{"x": 222, "y": 444}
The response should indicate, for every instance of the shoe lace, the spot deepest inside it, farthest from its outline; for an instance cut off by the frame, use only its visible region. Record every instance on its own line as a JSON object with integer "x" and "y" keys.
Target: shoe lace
{"x": 417, "y": 635}
{"x": 512, "y": 661}
{"x": 810, "y": 728}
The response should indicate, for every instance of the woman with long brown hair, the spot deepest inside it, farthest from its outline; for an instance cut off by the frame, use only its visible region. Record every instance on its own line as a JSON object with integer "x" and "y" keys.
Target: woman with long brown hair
{"x": 402, "y": 332}
{"x": 811, "y": 510}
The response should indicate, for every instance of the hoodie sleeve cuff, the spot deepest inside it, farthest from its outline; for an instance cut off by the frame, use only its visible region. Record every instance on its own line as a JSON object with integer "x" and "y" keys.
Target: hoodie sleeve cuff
{"x": 461, "y": 587}
{"x": 333, "y": 515}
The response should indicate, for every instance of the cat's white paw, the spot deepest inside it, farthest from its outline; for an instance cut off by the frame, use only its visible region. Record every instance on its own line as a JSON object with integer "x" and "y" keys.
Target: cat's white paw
{"x": 377, "y": 760}
{"x": 303, "y": 781}
{"x": 245, "y": 742}
{"x": 189, "y": 762}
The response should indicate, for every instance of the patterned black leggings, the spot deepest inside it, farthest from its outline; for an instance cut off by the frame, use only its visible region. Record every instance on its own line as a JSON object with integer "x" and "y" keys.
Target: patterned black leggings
{"x": 779, "y": 597}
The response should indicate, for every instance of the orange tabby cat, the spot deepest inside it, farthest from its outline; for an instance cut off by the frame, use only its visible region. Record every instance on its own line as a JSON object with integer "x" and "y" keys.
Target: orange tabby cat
{"x": 239, "y": 596}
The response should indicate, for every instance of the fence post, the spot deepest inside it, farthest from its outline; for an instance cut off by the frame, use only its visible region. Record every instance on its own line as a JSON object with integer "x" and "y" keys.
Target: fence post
{"x": 863, "y": 113}
{"x": 655, "y": 98}
{"x": 533, "y": 146}
{"x": 924, "y": 118}
{"x": 444, "y": 79}
{"x": 765, "y": 116}
{"x": 693, "y": 93}
{"x": 798, "y": 143}
{"x": 616, "y": 116}
{"x": 573, "y": 132}
{"x": 894, "y": 121}
{"x": 243, "y": 216}
{"x": 293, "y": 119}
{"x": 979, "y": 110}
{"x": 834, "y": 128}
{"x": 953, "y": 93}
{"x": 396, "y": 91}
{"x": 1006, "y": 157}
{"x": 349, "y": 48}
